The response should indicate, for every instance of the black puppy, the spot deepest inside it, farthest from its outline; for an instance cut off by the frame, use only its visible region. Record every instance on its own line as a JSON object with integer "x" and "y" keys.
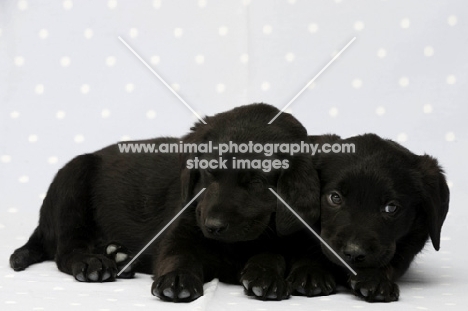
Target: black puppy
{"x": 103, "y": 207}
{"x": 379, "y": 206}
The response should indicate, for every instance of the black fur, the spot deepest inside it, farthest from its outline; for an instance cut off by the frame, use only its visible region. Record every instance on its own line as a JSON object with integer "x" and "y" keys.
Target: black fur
{"x": 108, "y": 205}
{"x": 359, "y": 193}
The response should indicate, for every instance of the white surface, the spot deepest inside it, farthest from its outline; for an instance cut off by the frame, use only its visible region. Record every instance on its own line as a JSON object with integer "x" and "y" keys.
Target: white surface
{"x": 436, "y": 281}
{"x": 69, "y": 86}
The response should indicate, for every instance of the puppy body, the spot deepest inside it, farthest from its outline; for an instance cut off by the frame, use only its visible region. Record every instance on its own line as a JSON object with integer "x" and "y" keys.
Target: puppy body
{"x": 103, "y": 207}
{"x": 379, "y": 206}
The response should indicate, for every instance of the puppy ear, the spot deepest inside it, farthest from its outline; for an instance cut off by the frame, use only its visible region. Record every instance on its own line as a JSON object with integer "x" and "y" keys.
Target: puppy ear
{"x": 188, "y": 179}
{"x": 298, "y": 186}
{"x": 436, "y": 196}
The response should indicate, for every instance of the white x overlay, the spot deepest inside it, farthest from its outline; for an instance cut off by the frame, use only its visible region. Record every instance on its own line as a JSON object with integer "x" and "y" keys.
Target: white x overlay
{"x": 313, "y": 79}
{"x": 315, "y": 233}
{"x": 161, "y": 79}
{"x": 160, "y": 232}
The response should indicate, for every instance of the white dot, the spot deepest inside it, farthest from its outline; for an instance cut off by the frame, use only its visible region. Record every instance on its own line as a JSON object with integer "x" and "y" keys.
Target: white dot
{"x": 291, "y": 1}
{"x": 265, "y": 86}
{"x": 32, "y": 138}
{"x": 380, "y": 111}
{"x": 267, "y": 29}
{"x": 125, "y": 137}
{"x": 451, "y": 79}
{"x": 112, "y": 4}
{"x": 450, "y": 184}
{"x": 88, "y": 33}
{"x": 105, "y": 113}
{"x": 404, "y": 81}
{"x": 79, "y": 138}
{"x": 452, "y": 20}
{"x": 356, "y": 83}
{"x": 19, "y": 61}
{"x": 14, "y": 114}
{"x": 22, "y": 5}
{"x": 405, "y": 23}
{"x": 67, "y": 4}
{"x": 65, "y": 61}
{"x": 402, "y": 137}
{"x": 199, "y": 59}
{"x": 381, "y": 53}
{"x": 359, "y": 25}
{"x": 202, "y": 3}
{"x": 43, "y": 33}
{"x": 312, "y": 86}
{"x": 223, "y": 30}
{"x": 14, "y": 209}
{"x": 175, "y": 86}
{"x": 5, "y": 158}
{"x": 60, "y": 114}
{"x": 133, "y": 32}
{"x": 246, "y": 2}
{"x": 450, "y": 136}
{"x": 52, "y": 160}
{"x": 151, "y": 114}
{"x": 155, "y": 59}
{"x": 157, "y": 4}
{"x": 244, "y": 58}
{"x": 427, "y": 108}
{"x": 129, "y": 87}
{"x": 1, "y": 32}
{"x": 428, "y": 51}
{"x": 313, "y": 28}
{"x": 110, "y": 61}
{"x": 39, "y": 89}
{"x": 23, "y": 179}
{"x": 220, "y": 88}
{"x": 289, "y": 57}
{"x": 178, "y": 32}
{"x": 85, "y": 89}
{"x": 333, "y": 112}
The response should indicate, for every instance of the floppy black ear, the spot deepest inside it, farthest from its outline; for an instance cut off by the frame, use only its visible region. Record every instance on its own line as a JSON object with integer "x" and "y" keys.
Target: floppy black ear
{"x": 188, "y": 178}
{"x": 298, "y": 186}
{"x": 436, "y": 196}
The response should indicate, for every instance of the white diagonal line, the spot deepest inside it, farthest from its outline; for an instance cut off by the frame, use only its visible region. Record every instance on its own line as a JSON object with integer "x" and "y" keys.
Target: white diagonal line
{"x": 315, "y": 233}
{"x": 162, "y": 230}
{"x": 161, "y": 79}
{"x": 313, "y": 79}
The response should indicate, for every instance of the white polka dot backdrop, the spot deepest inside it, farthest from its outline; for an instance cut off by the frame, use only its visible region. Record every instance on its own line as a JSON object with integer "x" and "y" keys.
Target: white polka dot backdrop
{"x": 68, "y": 86}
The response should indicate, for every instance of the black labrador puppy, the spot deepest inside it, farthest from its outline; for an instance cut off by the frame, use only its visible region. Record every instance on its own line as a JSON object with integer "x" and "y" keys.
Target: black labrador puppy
{"x": 103, "y": 207}
{"x": 379, "y": 206}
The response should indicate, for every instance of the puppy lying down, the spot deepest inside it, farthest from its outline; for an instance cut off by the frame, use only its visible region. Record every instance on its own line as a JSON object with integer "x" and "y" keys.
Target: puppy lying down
{"x": 379, "y": 206}
{"x": 105, "y": 206}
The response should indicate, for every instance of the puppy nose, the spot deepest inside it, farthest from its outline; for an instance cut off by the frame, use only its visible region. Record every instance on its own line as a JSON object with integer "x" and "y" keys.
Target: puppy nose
{"x": 354, "y": 252}
{"x": 215, "y": 226}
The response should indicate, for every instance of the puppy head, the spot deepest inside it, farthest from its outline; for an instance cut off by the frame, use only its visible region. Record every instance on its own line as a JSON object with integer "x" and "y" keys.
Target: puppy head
{"x": 237, "y": 204}
{"x": 379, "y": 200}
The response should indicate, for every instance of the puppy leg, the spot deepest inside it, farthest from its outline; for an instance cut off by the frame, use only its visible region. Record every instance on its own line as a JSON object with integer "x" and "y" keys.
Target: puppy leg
{"x": 311, "y": 276}
{"x": 179, "y": 266}
{"x": 263, "y": 277}
{"x": 71, "y": 194}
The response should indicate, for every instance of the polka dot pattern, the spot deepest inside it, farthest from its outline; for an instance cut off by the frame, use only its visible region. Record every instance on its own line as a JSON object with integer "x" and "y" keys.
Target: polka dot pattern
{"x": 68, "y": 86}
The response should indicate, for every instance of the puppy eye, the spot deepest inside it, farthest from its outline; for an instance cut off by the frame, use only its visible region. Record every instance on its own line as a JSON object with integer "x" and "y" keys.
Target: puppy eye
{"x": 390, "y": 208}
{"x": 334, "y": 199}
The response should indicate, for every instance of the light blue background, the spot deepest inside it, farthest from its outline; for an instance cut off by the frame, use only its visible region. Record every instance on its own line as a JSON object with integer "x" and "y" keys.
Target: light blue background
{"x": 69, "y": 86}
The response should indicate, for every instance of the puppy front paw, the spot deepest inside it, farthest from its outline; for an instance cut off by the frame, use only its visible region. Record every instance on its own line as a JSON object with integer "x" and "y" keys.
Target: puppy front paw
{"x": 178, "y": 286}
{"x": 93, "y": 268}
{"x": 374, "y": 286}
{"x": 311, "y": 281}
{"x": 264, "y": 283}
{"x": 121, "y": 256}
